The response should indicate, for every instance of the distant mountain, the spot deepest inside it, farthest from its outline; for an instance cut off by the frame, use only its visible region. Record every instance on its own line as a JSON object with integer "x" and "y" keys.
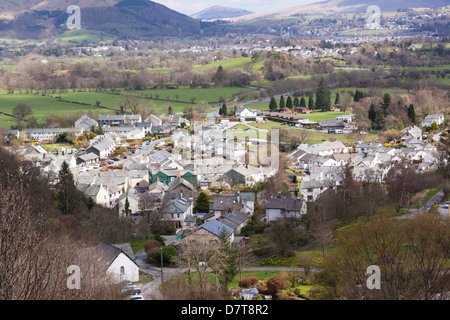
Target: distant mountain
{"x": 125, "y": 19}
{"x": 345, "y": 6}
{"x": 220, "y": 12}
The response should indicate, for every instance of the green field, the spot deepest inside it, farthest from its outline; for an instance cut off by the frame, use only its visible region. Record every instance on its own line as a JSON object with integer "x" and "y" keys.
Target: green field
{"x": 79, "y": 36}
{"x": 211, "y": 95}
{"x": 231, "y": 63}
{"x": 42, "y": 106}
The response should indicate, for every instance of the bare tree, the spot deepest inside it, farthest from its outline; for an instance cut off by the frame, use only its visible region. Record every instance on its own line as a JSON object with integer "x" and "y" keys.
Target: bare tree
{"x": 200, "y": 252}
{"x": 411, "y": 256}
{"x": 131, "y": 102}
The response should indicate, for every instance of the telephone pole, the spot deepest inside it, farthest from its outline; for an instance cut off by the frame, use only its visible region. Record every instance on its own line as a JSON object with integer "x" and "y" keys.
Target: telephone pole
{"x": 162, "y": 273}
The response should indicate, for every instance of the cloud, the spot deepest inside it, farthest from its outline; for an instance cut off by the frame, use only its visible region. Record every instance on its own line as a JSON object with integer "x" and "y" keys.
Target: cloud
{"x": 193, "y": 6}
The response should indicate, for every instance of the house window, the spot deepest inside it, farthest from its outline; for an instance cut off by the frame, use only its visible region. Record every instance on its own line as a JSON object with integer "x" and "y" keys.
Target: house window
{"x": 122, "y": 270}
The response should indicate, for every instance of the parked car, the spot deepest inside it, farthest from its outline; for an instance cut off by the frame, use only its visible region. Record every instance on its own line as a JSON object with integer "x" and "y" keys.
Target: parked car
{"x": 89, "y": 168}
{"x": 83, "y": 169}
{"x": 110, "y": 161}
{"x": 137, "y": 291}
{"x": 136, "y": 297}
{"x": 284, "y": 123}
{"x": 115, "y": 159}
{"x": 96, "y": 166}
{"x": 446, "y": 204}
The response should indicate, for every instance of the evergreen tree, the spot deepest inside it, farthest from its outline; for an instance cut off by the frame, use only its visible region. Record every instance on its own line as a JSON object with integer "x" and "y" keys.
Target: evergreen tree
{"x": 282, "y": 102}
{"x": 358, "y": 95}
{"x": 323, "y": 96}
{"x": 289, "y": 103}
{"x": 302, "y": 103}
{"x": 231, "y": 267}
{"x": 100, "y": 131}
{"x": 273, "y": 106}
{"x": 219, "y": 76}
{"x": 202, "y": 203}
{"x": 223, "y": 110}
{"x": 69, "y": 198}
{"x": 311, "y": 103}
{"x": 170, "y": 111}
{"x": 412, "y": 113}
{"x": 338, "y": 99}
{"x": 296, "y": 102}
{"x": 386, "y": 103}
{"x": 372, "y": 113}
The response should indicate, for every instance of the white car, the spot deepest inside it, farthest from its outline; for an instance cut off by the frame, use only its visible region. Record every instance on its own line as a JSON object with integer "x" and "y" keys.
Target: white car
{"x": 136, "y": 297}
{"x": 83, "y": 169}
{"x": 96, "y": 166}
{"x": 446, "y": 204}
{"x": 89, "y": 168}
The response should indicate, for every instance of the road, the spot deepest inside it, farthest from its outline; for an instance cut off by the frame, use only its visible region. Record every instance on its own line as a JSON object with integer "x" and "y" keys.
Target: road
{"x": 437, "y": 198}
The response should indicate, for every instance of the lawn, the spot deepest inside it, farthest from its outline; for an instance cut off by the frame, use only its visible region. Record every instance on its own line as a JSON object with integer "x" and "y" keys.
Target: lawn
{"x": 312, "y": 136}
{"x": 56, "y": 147}
{"x": 321, "y": 116}
{"x": 42, "y": 107}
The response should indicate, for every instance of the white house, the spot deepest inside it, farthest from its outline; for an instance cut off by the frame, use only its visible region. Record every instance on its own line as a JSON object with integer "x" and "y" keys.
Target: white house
{"x": 102, "y": 147}
{"x": 98, "y": 193}
{"x": 50, "y": 133}
{"x": 326, "y": 149}
{"x": 411, "y": 132}
{"x": 244, "y": 113}
{"x": 428, "y": 121}
{"x": 114, "y": 261}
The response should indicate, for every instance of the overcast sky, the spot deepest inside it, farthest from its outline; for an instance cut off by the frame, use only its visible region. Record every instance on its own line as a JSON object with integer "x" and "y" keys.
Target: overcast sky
{"x": 193, "y": 6}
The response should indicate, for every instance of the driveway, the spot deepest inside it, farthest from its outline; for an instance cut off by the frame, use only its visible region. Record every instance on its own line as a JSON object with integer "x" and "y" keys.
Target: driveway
{"x": 150, "y": 290}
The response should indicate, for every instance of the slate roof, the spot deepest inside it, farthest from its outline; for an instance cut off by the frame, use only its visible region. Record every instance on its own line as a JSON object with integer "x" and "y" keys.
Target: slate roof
{"x": 234, "y": 219}
{"x": 106, "y": 254}
{"x": 103, "y": 144}
{"x": 318, "y": 184}
{"x": 88, "y": 157}
{"x": 226, "y": 202}
{"x": 216, "y": 227}
{"x": 284, "y": 203}
{"x": 179, "y": 205}
{"x": 178, "y": 181}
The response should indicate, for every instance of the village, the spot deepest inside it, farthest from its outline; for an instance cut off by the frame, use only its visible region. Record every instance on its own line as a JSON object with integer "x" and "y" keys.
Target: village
{"x": 153, "y": 170}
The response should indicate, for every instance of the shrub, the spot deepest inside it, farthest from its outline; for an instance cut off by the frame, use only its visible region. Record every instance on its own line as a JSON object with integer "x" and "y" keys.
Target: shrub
{"x": 151, "y": 245}
{"x": 249, "y": 282}
{"x": 168, "y": 254}
{"x": 276, "y": 283}
{"x": 262, "y": 288}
